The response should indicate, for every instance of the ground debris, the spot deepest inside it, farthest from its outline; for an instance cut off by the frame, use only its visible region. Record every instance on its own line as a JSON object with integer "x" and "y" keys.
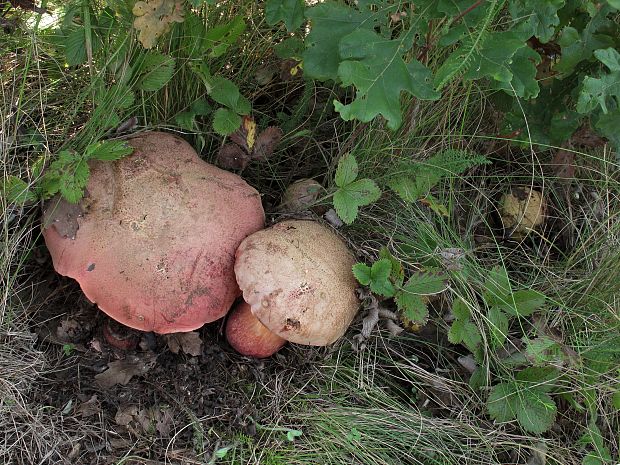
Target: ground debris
{"x": 121, "y": 371}
{"x": 375, "y": 313}
{"x": 190, "y": 343}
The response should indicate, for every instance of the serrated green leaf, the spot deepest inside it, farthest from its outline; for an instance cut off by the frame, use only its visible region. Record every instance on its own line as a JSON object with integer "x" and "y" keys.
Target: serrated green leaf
{"x": 376, "y": 68}
{"x": 108, "y": 150}
{"x": 122, "y": 95}
{"x": 412, "y": 306}
{"x": 536, "y": 411}
{"x": 466, "y": 332}
{"x": 398, "y": 271}
{"x": 226, "y": 121}
{"x": 502, "y": 403}
{"x": 460, "y": 309}
{"x": 74, "y": 181}
{"x": 495, "y": 57}
{"x": 17, "y": 191}
{"x": 540, "y": 378}
{"x": 75, "y": 46}
{"x": 542, "y": 350}
{"x": 219, "y": 38}
{"x": 155, "y": 72}
{"x": 615, "y": 400}
{"x": 291, "y": 47}
{"x": 349, "y": 198}
{"x": 362, "y": 273}
{"x": 226, "y": 92}
{"x": 496, "y": 286}
{"x": 347, "y": 170}
{"x": 521, "y": 303}
{"x": 200, "y": 107}
{"x": 498, "y": 326}
{"x": 290, "y": 12}
{"x": 406, "y": 188}
{"x": 478, "y": 379}
{"x": 380, "y": 278}
{"x": 425, "y": 284}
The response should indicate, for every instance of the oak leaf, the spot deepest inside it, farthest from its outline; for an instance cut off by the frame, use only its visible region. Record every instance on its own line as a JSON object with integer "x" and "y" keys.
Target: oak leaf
{"x": 154, "y": 18}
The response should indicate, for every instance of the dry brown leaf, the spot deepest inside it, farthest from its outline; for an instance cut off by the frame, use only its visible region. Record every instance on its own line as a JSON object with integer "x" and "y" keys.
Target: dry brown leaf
{"x": 563, "y": 164}
{"x": 121, "y": 371}
{"x": 245, "y": 136}
{"x": 124, "y": 415}
{"x": 89, "y": 408}
{"x": 190, "y": 343}
{"x": 266, "y": 143}
{"x": 232, "y": 157}
{"x": 154, "y": 18}
{"x": 62, "y": 215}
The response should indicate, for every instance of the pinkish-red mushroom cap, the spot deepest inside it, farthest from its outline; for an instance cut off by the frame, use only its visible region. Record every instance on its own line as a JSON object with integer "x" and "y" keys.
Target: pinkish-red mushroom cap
{"x": 156, "y": 243}
{"x": 248, "y": 336}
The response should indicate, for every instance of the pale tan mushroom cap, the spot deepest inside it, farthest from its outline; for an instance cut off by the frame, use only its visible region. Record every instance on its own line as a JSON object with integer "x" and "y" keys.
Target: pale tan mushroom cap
{"x": 297, "y": 278}
{"x": 523, "y": 209}
{"x": 155, "y": 247}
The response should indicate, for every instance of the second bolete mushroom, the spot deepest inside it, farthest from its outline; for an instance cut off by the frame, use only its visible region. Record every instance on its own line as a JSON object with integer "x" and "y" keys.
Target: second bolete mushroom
{"x": 296, "y": 278}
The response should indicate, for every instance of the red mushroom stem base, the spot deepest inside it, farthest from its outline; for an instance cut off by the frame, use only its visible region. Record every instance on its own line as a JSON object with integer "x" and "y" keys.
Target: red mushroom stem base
{"x": 248, "y": 336}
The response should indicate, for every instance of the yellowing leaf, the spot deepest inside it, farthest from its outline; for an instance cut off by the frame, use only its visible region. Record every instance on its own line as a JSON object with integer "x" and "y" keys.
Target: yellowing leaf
{"x": 154, "y": 17}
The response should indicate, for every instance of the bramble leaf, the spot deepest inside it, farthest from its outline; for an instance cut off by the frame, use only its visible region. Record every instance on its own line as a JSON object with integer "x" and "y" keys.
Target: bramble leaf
{"x": 290, "y": 12}
{"x": 376, "y": 68}
{"x": 349, "y": 198}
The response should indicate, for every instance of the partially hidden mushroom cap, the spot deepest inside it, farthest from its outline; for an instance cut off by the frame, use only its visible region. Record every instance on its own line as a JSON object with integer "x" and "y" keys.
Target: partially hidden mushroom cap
{"x": 248, "y": 336}
{"x": 157, "y": 236}
{"x": 523, "y": 209}
{"x": 297, "y": 278}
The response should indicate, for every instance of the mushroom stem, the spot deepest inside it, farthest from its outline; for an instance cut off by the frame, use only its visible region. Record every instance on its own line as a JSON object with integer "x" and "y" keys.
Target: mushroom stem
{"x": 248, "y": 336}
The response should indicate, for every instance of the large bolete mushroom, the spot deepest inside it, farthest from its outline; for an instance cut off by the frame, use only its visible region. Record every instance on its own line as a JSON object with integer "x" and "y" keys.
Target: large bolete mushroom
{"x": 157, "y": 237}
{"x": 296, "y": 277}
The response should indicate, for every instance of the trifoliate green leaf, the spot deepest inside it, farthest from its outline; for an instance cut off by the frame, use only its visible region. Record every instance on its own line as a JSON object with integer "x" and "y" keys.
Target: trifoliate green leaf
{"x": 398, "y": 271}
{"x": 466, "y": 332}
{"x": 226, "y": 121}
{"x": 108, "y": 150}
{"x": 290, "y": 12}
{"x": 521, "y": 303}
{"x": 155, "y": 72}
{"x": 362, "y": 273}
{"x": 376, "y": 68}
{"x": 227, "y": 93}
{"x": 536, "y": 411}
{"x": 380, "y": 278}
{"x": 412, "y": 306}
{"x": 347, "y": 171}
{"x": 502, "y": 403}
{"x": 349, "y": 198}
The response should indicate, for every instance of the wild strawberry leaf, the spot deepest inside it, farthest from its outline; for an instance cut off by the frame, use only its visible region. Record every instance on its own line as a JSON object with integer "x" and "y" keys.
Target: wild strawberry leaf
{"x": 412, "y": 306}
{"x": 536, "y": 411}
{"x": 498, "y": 326}
{"x": 376, "y": 68}
{"x": 465, "y": 332}
{"x": 362, "y": 273}
{"x": 380, "y": 278}
{"x": 349, "y": 198}
{"x": 503, "y": 402}
{"x": 156, "y": 70}
{"x": 108, "y": 150}
{"x": 347, "y": 170}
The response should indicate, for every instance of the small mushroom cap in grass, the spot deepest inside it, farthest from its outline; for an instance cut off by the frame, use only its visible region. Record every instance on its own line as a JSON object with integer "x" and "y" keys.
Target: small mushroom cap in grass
{"x": 297, "y": 278}
{"x": 157, "y": 238}
{"x": 300, "y": 195}
{"x": 248, "y": 336}
{"x": 523, "y": 209}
